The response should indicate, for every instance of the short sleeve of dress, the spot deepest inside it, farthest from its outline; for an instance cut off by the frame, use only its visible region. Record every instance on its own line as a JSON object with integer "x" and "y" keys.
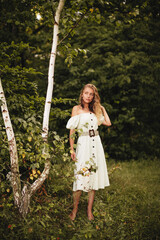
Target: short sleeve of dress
{"x": 101, "y": 120}
{"x": 73, "y": 122}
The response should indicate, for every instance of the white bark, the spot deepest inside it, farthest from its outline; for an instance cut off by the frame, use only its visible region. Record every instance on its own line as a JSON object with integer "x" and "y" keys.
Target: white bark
{"x": 36, "y": 185}
{"x": 51, "y": 71}
{"x": 22, "y": 199}
{"x": 15, "y": 178}
{"x": 25, "y": 200}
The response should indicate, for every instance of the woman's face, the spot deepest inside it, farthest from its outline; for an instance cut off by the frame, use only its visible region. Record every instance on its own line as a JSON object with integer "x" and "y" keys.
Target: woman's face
{"x": 88, "y": 95}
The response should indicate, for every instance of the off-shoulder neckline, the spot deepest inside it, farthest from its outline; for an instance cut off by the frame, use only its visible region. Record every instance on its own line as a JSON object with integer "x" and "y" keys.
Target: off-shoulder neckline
{"x": 82, "y": 114}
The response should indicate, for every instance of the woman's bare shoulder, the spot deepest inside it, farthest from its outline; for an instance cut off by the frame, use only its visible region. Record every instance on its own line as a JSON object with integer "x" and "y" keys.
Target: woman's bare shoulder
{"x": 75, "y": 110}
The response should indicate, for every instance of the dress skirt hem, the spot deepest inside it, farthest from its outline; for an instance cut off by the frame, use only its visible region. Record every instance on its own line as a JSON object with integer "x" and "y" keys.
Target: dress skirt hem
{"x": 91, "y": 189}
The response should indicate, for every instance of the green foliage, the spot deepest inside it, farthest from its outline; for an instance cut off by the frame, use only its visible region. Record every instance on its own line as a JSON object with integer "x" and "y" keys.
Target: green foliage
{"x": 25, "y": 109}
{"x": 122, "y": 62}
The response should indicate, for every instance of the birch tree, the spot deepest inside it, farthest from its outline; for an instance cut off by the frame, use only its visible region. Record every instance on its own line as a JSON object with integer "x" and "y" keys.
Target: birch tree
{"x": 14, "y": 175}
{"x": 22, "y": 197}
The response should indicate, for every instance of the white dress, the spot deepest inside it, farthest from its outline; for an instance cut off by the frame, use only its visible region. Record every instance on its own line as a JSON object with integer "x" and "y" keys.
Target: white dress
{"x": 91, "y": 169}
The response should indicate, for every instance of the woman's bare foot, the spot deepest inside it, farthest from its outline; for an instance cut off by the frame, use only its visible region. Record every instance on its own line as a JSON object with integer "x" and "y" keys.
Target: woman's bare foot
{"x": 90, "y": 216}
{"x": 76, "y": 197}
{"x": 72, "y": 215}
{"x": 90, "y": 204}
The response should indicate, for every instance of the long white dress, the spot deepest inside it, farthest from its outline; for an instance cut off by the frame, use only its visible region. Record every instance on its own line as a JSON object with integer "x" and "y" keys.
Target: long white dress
{"x": 91, "y": 169}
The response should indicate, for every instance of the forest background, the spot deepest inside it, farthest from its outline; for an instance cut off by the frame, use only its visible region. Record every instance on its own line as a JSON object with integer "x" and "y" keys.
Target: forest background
{"x": 114, "y": 45}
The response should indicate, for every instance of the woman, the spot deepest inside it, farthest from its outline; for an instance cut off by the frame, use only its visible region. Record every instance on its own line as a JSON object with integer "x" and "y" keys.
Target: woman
{"x": 91, "y": 170}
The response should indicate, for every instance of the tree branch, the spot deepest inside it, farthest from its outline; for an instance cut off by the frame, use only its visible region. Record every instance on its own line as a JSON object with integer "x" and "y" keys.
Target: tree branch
{"x": 77, "y": 23}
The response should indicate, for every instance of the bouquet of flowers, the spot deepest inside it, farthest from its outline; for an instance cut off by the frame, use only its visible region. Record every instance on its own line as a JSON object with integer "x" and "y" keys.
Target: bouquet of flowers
{"x": 88, "y": 169}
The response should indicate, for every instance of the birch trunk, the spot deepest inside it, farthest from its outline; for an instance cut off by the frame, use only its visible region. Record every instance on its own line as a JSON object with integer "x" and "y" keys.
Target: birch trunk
{"x": 14, "y": 177}
{"x": 51, "y": 71}
{"x": 21, "y": 199}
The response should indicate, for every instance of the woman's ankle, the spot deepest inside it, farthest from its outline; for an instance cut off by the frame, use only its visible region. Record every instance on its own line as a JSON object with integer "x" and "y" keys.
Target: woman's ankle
{"x": 73, "y": 214}
{"x": 90, "y": 215}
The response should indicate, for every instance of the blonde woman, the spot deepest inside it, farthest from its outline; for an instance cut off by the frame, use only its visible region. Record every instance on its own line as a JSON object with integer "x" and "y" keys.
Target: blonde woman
{"x": 91, "y": 170}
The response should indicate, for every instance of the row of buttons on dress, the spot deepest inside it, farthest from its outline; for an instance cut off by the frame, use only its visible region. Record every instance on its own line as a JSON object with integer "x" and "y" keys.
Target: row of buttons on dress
{"x": 93, "y": 155}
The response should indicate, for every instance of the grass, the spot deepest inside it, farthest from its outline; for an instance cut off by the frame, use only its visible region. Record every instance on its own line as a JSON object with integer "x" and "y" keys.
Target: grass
{"x": 128, "y": 209}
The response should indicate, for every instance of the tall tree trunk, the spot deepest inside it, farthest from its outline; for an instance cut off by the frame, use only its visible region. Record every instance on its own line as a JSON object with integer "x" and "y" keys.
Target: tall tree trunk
{"x": 14, "y": 177}
{"x": 51, "y": 71}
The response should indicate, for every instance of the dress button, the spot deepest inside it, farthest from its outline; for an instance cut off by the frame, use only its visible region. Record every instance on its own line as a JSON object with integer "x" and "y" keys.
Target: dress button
{"x": 91, "y": 119}
{"x": 93, "y": 146}
{"x": 91, "y": 126}
{"x": 93, "y": 139}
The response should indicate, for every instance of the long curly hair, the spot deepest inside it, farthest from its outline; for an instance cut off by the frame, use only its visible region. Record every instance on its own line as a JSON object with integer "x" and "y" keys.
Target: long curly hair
{"x": 95, "y": 105}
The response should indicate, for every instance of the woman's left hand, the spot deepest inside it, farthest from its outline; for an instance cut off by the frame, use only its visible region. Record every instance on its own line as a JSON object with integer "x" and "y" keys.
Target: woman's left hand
{"x": 107, "y": 121}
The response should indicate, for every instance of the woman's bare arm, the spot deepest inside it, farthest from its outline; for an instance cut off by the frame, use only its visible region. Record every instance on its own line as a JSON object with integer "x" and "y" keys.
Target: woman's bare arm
{"x": 71, "y": 137}
{"x": 107, "y": 121}
{"x": 71, "y": 141}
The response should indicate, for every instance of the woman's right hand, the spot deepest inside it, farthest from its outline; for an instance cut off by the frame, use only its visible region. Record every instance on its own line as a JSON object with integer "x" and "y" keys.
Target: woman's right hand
{"x": 73, "y": 155}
